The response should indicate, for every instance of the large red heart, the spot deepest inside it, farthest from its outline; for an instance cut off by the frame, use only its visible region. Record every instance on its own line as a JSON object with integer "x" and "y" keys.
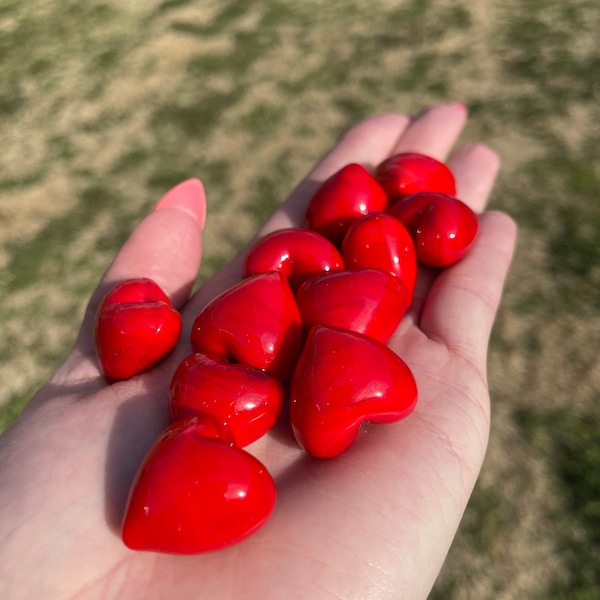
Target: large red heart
{"x": 342, "y": 380}
{"x": 369, "y": 301}
{"x": 443, "y": 227}
{"x": 244, "y": 400}
{"x": 256, "y": 323}
{"x": 136, "y": 326}
{"x": 410, "y": 172}
{"x": 295, "y": 253}
{"x": 195, "y": 493}
{"x": 347, "y": 195}
{"x": 379, "y": 241}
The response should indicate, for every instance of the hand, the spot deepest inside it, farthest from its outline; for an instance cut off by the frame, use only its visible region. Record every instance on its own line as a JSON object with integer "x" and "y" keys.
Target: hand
{"x": 375, "y": 522}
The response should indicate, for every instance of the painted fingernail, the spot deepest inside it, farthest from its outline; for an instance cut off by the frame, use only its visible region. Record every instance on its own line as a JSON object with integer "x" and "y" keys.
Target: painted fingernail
{"x": 459, "y": 106}
{"x": 187, "y": 196}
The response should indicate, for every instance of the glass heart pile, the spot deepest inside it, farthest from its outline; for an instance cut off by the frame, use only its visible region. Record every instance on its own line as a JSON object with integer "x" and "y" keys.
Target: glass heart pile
{"x": 307, "y": 325}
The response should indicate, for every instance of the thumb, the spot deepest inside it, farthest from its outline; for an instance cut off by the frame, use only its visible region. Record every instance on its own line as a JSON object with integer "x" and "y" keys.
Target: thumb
{"x": 166, "y": 246}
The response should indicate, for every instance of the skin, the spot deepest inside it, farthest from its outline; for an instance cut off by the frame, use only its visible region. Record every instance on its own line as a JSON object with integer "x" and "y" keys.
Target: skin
{"x": 376, "y": 522}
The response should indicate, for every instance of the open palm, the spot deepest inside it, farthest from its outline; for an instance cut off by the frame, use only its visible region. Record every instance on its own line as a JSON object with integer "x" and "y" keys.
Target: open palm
{"x": 375, "y": 522}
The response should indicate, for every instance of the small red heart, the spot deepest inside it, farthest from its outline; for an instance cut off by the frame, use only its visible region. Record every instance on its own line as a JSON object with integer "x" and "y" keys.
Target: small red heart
{"x": 195, "y": 493}
{"x": 443, "y": 227}
{"x": 295, "y": 253}
{"x": 244, "y": 400}
{"x": 369, "y": 301}
{"x": 347, "y": 195}
{"x": 256, "y": 323}
{"x": 410, "y": 172}
{"x": 379, "y": 241}
{"x": 136, "y": 326}
{"x": 342, "y": 380}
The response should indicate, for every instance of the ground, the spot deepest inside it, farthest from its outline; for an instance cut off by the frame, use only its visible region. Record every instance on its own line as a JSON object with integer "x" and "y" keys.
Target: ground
{"x": 105, "y": 105}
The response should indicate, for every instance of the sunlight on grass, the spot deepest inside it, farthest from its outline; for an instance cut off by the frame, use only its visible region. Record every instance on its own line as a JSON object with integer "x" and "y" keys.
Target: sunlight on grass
{"x": 104, "y": 106}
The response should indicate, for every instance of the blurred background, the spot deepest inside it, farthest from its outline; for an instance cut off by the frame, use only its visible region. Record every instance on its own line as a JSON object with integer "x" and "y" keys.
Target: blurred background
{"x": 104, "y": 105}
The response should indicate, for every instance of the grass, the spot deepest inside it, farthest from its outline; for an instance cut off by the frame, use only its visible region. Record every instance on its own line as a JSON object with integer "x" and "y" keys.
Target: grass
{"x": 104, "y": 106}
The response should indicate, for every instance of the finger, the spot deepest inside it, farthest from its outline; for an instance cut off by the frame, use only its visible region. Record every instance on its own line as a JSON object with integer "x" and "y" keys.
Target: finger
{"x": 367, "y": 143}
{"x": 460, "y": 308}
{"x": 475, "y": 168}
{"x": 434, "y": 132}
{"x": 166, "y": 247}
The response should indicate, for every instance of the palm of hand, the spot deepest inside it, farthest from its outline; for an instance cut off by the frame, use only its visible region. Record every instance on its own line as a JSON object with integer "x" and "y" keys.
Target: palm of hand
{"x": 376, "y": 522}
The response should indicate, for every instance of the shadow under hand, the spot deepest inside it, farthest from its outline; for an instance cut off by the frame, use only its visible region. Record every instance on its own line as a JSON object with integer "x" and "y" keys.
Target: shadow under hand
{"x": 137, "y": 425}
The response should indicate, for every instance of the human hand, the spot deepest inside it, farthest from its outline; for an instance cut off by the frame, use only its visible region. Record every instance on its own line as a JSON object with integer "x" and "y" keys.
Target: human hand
{"x": 375, "y": 522}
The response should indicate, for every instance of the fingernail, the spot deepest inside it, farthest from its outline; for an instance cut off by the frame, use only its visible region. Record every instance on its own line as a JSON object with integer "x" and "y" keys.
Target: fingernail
{"x": 187, "y": 196}
{"x": 459, "y": 106}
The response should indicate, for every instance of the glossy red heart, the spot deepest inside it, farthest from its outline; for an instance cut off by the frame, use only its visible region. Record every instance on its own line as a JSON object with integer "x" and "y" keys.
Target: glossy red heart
{"x": 379, "y": 241}
{"x": 443, "y": 227}
{"x": 347, "y": 195}
{"x": 409, "y": 172}
{"x": 295, "y": 253}
{"x": 255, "y": 323}
{"x": 135, "y": 327}
{"x": 244, "y": 400}
{"x": 195, "y": 493}
{"x": 342, "y": 380}
{"x": 369, "y": 301}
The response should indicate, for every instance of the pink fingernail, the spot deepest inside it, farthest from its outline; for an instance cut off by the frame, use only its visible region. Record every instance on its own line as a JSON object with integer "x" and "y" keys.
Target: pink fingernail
{"x": 187, "y": 196}
{"x": 460, "y": 106}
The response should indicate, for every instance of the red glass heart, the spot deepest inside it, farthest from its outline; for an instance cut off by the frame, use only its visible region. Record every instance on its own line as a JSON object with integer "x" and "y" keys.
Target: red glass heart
{"x": 295, "y": 253}
{"x": 342, "y": 380}
{"x": 244, "y": 400}
{"x": 370, "y": 302}
{"x": 443, "y": 227}
{"x": 379, "y": 241}
{"x": 347, "y": 195}
{"x": 195, "y": 494}
{"x": 410, "y": 172}
{"x": 255, "y": 323}
{"x": 135, "y": 327}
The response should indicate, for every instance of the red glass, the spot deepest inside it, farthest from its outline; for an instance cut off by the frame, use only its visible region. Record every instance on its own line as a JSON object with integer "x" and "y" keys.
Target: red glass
{"x": 349, "y": 194}
{"x": 379, "y": 241}
{"x": 135, "y": 327}
{"x": 245, "y": 401}
{"x": 409, "y": 172}
{"x": 342, "y": 380}
{"x": 443, "y": 227}
{"x": 255, "y": 323}
{"x": 195, "y": 493}
{"x": 370, "y": 302}
{"x": 295, "y": 253}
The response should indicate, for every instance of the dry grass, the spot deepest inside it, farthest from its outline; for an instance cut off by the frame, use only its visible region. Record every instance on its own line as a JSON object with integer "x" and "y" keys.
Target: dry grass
{"x": 104, "y": 105}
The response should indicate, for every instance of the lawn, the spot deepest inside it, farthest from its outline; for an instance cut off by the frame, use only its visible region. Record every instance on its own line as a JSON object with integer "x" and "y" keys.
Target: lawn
{"x": 104, "y": 105}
